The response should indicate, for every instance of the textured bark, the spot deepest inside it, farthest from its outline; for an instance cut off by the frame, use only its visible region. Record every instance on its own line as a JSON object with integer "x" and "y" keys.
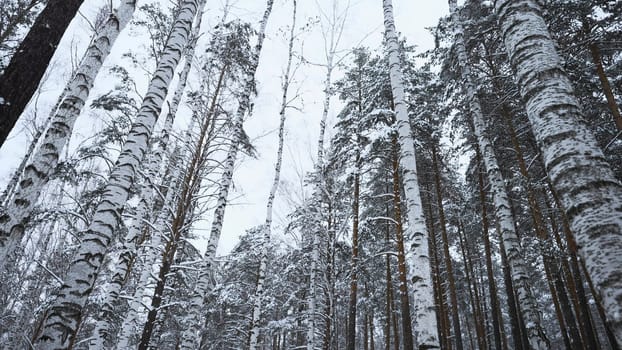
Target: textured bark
{"x": 509, "y": 237}
{"x": 11, "y": 187}
{"x": 63, "y": 315}
{"x": 418, "y": 253}
{"x": 44, "y": 161}
{"x": 588, "y": 189}
{"x": 130, "y": 326}
{"x": 267, "y": 228}
{"x": 190, "y": 336}
{"x": 102, "y": 332}
{"x": 22, "y": 76}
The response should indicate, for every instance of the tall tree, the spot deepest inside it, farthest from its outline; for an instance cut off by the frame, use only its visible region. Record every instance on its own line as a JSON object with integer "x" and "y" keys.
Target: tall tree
{"x": 21, "y": 77}
{"x": 46, "y": 157}
{"x": 267, "y": 226}
{"x": 191, "y": 334}
{"x": 579, "y": 172}
{"x": 425, "y": 318}
{"x": 63, "y": 316}
{"x": 527, "y": 302}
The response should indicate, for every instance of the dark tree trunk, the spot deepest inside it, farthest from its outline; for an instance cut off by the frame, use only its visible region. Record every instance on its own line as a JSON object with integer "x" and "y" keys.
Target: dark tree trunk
{"x": 455, "y": 316}
{"x": 22, "y": 76}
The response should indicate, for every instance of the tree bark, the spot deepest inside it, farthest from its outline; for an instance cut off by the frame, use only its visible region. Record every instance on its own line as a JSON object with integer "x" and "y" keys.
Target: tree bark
{"x": 21, "y": 77}
{"x": 44, "y": 161}
{"x": 418, "y": 252}
{"x": 63, "y": 316}
{"x": 589, "y": 191}
{"x": 604, "y": 82}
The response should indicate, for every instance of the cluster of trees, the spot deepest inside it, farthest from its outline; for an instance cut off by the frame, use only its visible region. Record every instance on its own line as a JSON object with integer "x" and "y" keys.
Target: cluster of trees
{"x": 468, "y": 198}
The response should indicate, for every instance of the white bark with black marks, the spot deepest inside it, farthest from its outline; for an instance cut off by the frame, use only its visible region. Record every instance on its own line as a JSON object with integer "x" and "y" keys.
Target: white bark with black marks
{"x": 65, "y": 312}
{"x": 190, "y": 337}
{"x": 44, "y": 161}
{"x": 581, "y": 176}
{"x": 417, "y": 253}
{"x": 267, "y": 227}
{"x": 503, "y": 212}
{"x": 105, "y": 318}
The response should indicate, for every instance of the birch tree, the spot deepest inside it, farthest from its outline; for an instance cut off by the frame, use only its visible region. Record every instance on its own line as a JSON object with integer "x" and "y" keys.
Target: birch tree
{"x": 102, "y": 331}
{"x": 420, "y": 273}
{"x": 62, "y": 319}
{"x": 528, "y": 305}
{"x": 44, "y": 161}
{"x": 267, "y": 226}
{"x": 588, "y": 189}
{"x": 190, "y": 337}
{"x": 332, "y": 29}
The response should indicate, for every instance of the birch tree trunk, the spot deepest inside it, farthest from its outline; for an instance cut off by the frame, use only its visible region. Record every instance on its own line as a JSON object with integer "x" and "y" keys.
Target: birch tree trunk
{"x": 528, "y": 304}
{"x": 336, "y": 27}
{"x": 263, "y": 263}
{"x": 64, "y": 314}
{"x": 191, "y": 335}
{"x": 102, "y": 331}
{"x": 130, "y": 326}
{"x": 588, "y": 189}
{"x": 425, "y": 318}
{"x": 44, "y": 161}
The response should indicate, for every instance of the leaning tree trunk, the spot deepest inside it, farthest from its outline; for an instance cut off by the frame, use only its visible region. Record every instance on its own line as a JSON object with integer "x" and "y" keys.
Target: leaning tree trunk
{"x": 425, "y": 319}
{"x": 103, "y": 328}
{"x": 589, "y": 191}
{"x": 44, "y": 161}
{"x": 520, "y": 277}
{"x": 263, "y": 263}
{"x": 190, "y": 336}
{"x": 63, "y": 316}
{"x": 22, "y": 76}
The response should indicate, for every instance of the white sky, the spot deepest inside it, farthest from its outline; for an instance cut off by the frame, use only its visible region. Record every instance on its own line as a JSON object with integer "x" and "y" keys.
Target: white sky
{"x": 253, "y": 177}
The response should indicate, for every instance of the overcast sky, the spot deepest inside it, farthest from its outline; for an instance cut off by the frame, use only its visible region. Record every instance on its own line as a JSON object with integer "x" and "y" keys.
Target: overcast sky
{"x": 253, "y": 177}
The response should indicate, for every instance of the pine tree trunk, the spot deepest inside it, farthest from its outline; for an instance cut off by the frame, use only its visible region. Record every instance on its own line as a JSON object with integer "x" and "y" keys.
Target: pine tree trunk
{"x": 589, "y": 191}
{"x": 63, "y": 316}
{"x": 21, "y": 77}
{"x": 445, "y": 242}
{"x": 44, "y": 161}
{"x": 476, "y": 309}
{"x": 604, "y": 83}
{"x": 267, "y": 228}
{"x": 418, "y": 252}
{"x": 190, "y": 336}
